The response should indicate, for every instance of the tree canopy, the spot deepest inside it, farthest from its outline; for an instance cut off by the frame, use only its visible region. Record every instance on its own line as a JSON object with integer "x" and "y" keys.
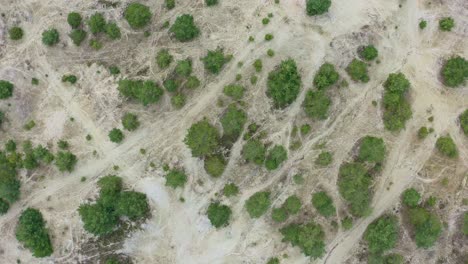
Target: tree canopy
{"x": 447, "y": 147}
{"x": 372, "y": 149}
{"x": 258, "y": 204}
{"x": 214, "y": 61}
{"x": 184, "y": 28}
{"x": 50, "y": 37}
{"x": 308, "y": 237}
{"x": 326, "y": 76}
{"x": 233, "y": 122}
{"x": 464, "y": 122}
{"x": 137, "y": 15}
{"x": 284, "y": 84}
{"x": 254, "y": 151}
{"x": 74, "y": 19}
{"x": 176, "y": 178}
{"x": 6, "y": 89}
{"x": 368, "y": 53}
{"x": 455, "y": 71}
{"x": 382, "y": 234}
{"x": 324, "y": 204}
{"x": 317, "y": 7}
{"x": 411, "y": 197}
{"x": 146, "y": 92}
{"x": 357, "y": 70}
{"x": 96, "y": 23}
{"x": 427, "y": 226}
{"x": 32, "y": 233}
{"x": 219, "y": 214}
{"x": 396, "y": 108}
{"x": 276, "y": 156}
{"x": 354, "y": 186}
{"x": 316, "y": 104}
{"x": 202, "y": 139}
{"x": 130, "y": 121}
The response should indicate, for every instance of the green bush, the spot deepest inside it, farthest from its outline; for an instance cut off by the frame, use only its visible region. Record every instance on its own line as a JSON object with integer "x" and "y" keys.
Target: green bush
{"x": 305, "y": 129}
{"x": 96, "y": 23}
{"x": 254, "y": 151}
{"x": 279, "y": 215}
{"x": 317, "y": 7}
{"x": 63, "y": 144}
{"x": 455, "y": 71}
{"x": 422, "y": 24}
{"x": 192, "y": 82}
{"x": 234, "y": 91}
{"x": 9, "y": 183}
{"x": 214, "y": 61}
{"x": 130, "y": 121}
{"x": 95, "y": 44}
{"x": 114, "y": 70}
{"x": 258, "y": 65}
{"x": 70, "y": 78}
{"x": 176, "y": 178}
{"x": 146, "y": 92}
{"x": 171, "y": 85}
{"x": 133, "y": 205}
{"x": 423, "y": 132}
{"x": 382, "y": 234}
{"x": 16, "y": 33}
{"x": 164, "y": 58}
{"x": 219, "y": 214}
{"x": 269, "y": 37}
{"x": 316, "y": 104}
{"x": 77, "y": 36}
{"x": 397, "y": 109}
{"x": 98, "y": 219}
{"x": 347, "y": 223}
{"x": 446, "y": 24}
{"x": 184, "y": 67}
{"x": 276, "y": 156}
{"x": 211, "y": 2}
{"x": 427, "y": 227}
{"x": 273, "y": 261}
{"x": 6, "y": 89}
{"x": 4, "y": 206}
{"x": 116, "y": 135}
{"x": 368, "y": 52}
{"x": 411, "y": 197}
{"x": 202, "y": 139}
{"x": 292, "y": 205}
{"x": 230, "y": 189}
{"x": 215, "y": 165}
{"x": 42, "y": 154}
{"x": 112, "y": 31}
{"x": 50, "y": 37}
{"x": 354, "y": 186}
{"x": 308, "y": 237}
{"x": 233, "y": 122}
{"x": 178, "y": 101}
{"x": 32, "y": 233}
{"x": 372, "y": 149}
{"x": 357, "y": 70}
{"x": 464, "y": 122}
{"x": 184, "y": 28}
{"x": 325, "y": 158}
{"x": 74, "y": 20}
{"x": 137, "y": 15}
{"x": 258, "y": 204}
{"x": 324, "y": 204}
{"x": 284, "y": 84}
{"x": 447, "y": 147}
{"x": 10, "y": 145}
{"x": 170, "y": 4}
{"x": 465, "y": 224}
{"x": 110, "y": 188}
{"x": 65, "y": 161}
{"x": 326, "y": 76}
{"x": 270, "y": 53}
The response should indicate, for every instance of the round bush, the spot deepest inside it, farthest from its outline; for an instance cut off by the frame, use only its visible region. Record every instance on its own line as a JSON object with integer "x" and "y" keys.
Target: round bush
{"x": 326, "y": 76}
{"x": 368, "y": 52}
{"x": 284, "y": 84}
{"x": 6, "y": 89}
{"x": 219, "y": 214}
{"x": 130, "y": 121}
{"x": 447, "y": 147}
{"x": 74, "y": 19}
{"x": 50, "y": 37}
{"x": 446, "y": 24}
{"x": 202, "y": 138}
{"x": 455, "y": 71}
{"x": 184, "y": 28}
{"x": 116, "y": 135}
{"x": 411, "y": 197}
{"x": 16, "y": 33}
{"x": 137, "y": 15}
{"x": 215, "y": 165}
{"x": 317, "y": 7}
{"x": 258, "y": 204}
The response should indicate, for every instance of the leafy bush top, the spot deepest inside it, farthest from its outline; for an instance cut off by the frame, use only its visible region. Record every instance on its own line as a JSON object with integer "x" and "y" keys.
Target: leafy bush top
{"x": 33, "y": 234}
{"x": 235, "y": 91}
{"x": 354, "y": 185}
{"x": 137, "y": 15}
{"x": 464, "y": 122}
{"x": 9, "y": 183}
{"x": 116, "y": 135}
{"x": 316, "y": 104}
{"x": 357, "y": 70}
{"x": 132, "y": 204}
{"x": 258, "y": 204}
{"x": 184, "y": 28}
{"x": 368, "y": 52}
{"x": 202, "y": 138}
{"x": 427, "y": 226}
{"x": 96, "y": 23}
{"x": 325, "y": 158}
{"x": 397, "y": 109}
{"x": 411, "y": 197}
{"x": 447, "y": 147}
{"x": 219, "y": 214}
{"x": 176, "y": 178}
{"x": 6, "y": 89}
{"x": 146, "y": 92}
{"x": 284, "y": 84}
{"x": 397, "y": 83}
{"x": 372, "y": 149}
{"x": 233, "y": 122}
{"x": 324, "y": 204}
{"x": 130, "y": 121}
{"x": 276, "y": 156}
{"x": 98, "y": 219}
{"x": 446, "y": 24}
{"x": 164, "y": 58}
{"x": 382, "y": 234}
{"x": 230, "y": 189}
{"x": 455, "y": 71}
{"x": 326, "y": 76}
{"x": 77, "y": 36}
{"x": 50, "y": 37}
{"x": 65, "y": 161}
{"x": 214, "y": 61}
{"x": 211, "y": 2}
{"x": 215, "y": 165}
{"x": 74, "y": 19}
{"x": 254, "y": 151}
{"x": 112, "y": 31}
{"x": 308, "y": 237}
{"x": 16, "y": 33}
{"x": 317, "y": 7}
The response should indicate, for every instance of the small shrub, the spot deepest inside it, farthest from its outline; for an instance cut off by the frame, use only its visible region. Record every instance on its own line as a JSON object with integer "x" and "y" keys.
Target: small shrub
{"x": 382, "y": 234}
{"x": 316, "y": 104}
{"x": 116, "y": 135}
{"x": 397, "y": 109}
{"x": 269, "y": 37}
{"x": 29, "y": 125}
{"x": 326, "y": 76}
{"x": 184, "y": 67}
{"x": 273, "y": 261}
{"x": 279, "y": 215}
{"x": 347, "y": 223}
{"x": 464, "y": 122}
{"x": 284, "y": 84}
{"x": 74, "y": 19}
{"x": 137, "y": 15}
{"x": 446, "y": 24}
{"x": 96, "y": 23}
{"x": 114, "y": 70}
{"x": 184, "y": 28}
{"x": 164, "y": 59}
{"x": 6, "y": 89}
{"x": 354, "y": 186}
{"x": 130, "y": 121}
{"x": 70, "y": 78}
{"x": 16, "y": 33}
{"x": 230, "y": 189}
{"x": 368, "y": 52}
{"x": 305, "y": 129}
{"x": 258, "y": 65}
{"x": 372, "y": 149}
{"x": 422, "y": 24}
{"x": 292, "y": 205}
{"x": 34, "y": 81}
{"x": 219, "y": 214}
{"x": 171, "y": 85}
{"x": 95, "y": 44}
{"x": 33, "y": 234}
{"x": 324, "y": 204}
{"x": 455, "y": 71}
{"x": 215, "y": 165}
{"x": 411, "y": 197}
{"x": 233, "y": 122}
{"x": 170, "y": 4}
{"x": 176, "y": 178}
{"x": 65, "y": 161}
{"x": 178, "y": 101}
{"x": 265, "y": 21}
{"x": 357, "y": 70}
{"x": 214, "y": 61}
{"x": 192, "y": 82}
{"x": 112, "y": 31}
{"x": 254, "y": 151}
{"x": 63, "y": 144}
{"x": 202, "y": 138}
{"x": 325, "y": 158}
{"x": 427, "y": 227}
{"x": 317, "y": 7}
{"x": 211, "y": 2}
{"x": 276, "y": 156}
{"x": 258, "y": 204}
{"x": 447, "y": 147}
{"x": 270, "y": 53}
{"x": 234, "y": 91}
{"x": 77, "y": 36}
{"x": 308, "y": 237}
{"x": 50, "y": 37}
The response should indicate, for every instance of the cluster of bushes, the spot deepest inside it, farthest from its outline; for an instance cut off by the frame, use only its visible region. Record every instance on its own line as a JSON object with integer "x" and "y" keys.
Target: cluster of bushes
{"x": 426, "y": 225}
{"x": 308, "y": 237}
{"x": 355, "y": 180}
{"x": 103, "y": 216}
{"x": 255, "y": 151}
{"x": 455, "y": 71}
{"x": 6, "y": 89}
{"x": 184, "y": 28}
{"x": 324, "y": 204}
{"x": 129, "y": 122}
{"x": 291, "y": 206}
{"x": 32, "y": 233}
{"x": 317, "y": 7}
{"x": 219, "y": 214}
{"x": 284, "y": 84}
{"x": 9, "y": 182}
{"x": 145, "y": 92}
{"x": 397, "y": 110}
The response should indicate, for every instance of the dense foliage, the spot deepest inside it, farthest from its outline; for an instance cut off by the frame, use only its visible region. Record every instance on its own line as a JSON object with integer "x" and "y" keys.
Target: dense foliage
{"x": 447, "y": 147}
{"x": 372, "y": 149}
{"x": 130, "y": 121}
{"x": 284, "y": 84}
{"x": 258, "y": 204}
{"x": 112, "y": 31}
{"x": 184, "y": 28}
{"x": 116, "y": 135}
{"x": 308, "y": 237}
{"x": 146, "y": 92}
{"x": 354, "y": 185}
{"x": 316, "y": 104}
{"x": 219, "y": 214}
{"x": 382, "y": 234}
{"x": 357, "y": 70}
{"x": 133, "y": 205}
{"x": 202, "y": 138}
{"x": 230, "y": 189}
{"x": 176, "y": 178}
{"x": 326, "y": 76}
{"x": 368, "y": 52}
{"x": 446, "y": 24}
{"x": 254, "y": 151}
{"x": 16, "y": 33}
{"x": 427, "y": 226}
{"x": 96, "y": 23}
{"x": 50, "y": 37}
{"x": 74, "y": 19}
{"x": 235, "y": 91}
{"x": 164, "y": 58}
{"x": 137, "y": 15}
{"x": 233, "y": 122}
{"x": 411, "y": 197}
{"x": 464, "y": 122}
{"x": 6, "y": 89}
{"x": 214, "y": 61}
{"x": 317, "y": 7}
{"x": 215, "y": 165}
{"x": 184, "y": 68}
{"x": 65, "y": 161}
{"x": 324, "y": 204}
{"x": 211, "y": 2}
{"x": 4, "y": 206}
{"x": 33, "y": 234}
{"x": 455, "y": 71}
{"x": 77, "y": 36}
{"x": 276, "y": 156}
{"x": 397, "y": 109}
{"x": 9, "y": 183}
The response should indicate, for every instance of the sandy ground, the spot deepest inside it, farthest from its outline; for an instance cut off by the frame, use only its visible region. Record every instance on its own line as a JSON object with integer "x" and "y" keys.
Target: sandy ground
{"x": 180, "y": 232}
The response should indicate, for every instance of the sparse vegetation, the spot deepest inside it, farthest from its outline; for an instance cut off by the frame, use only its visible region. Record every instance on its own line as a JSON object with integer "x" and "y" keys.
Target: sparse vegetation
{"x": 464, "y": 122}
{"x": 112, "y": 31}
{"x": 146, "y": 92}
{"x": 325, "y": 158}
{"x": 65, "y": 161}
{"x": 234, "y": 91}
{"x": 372, "y": 149}
{"x": 211, "y": 2}
{"x": 230, "y": 189}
